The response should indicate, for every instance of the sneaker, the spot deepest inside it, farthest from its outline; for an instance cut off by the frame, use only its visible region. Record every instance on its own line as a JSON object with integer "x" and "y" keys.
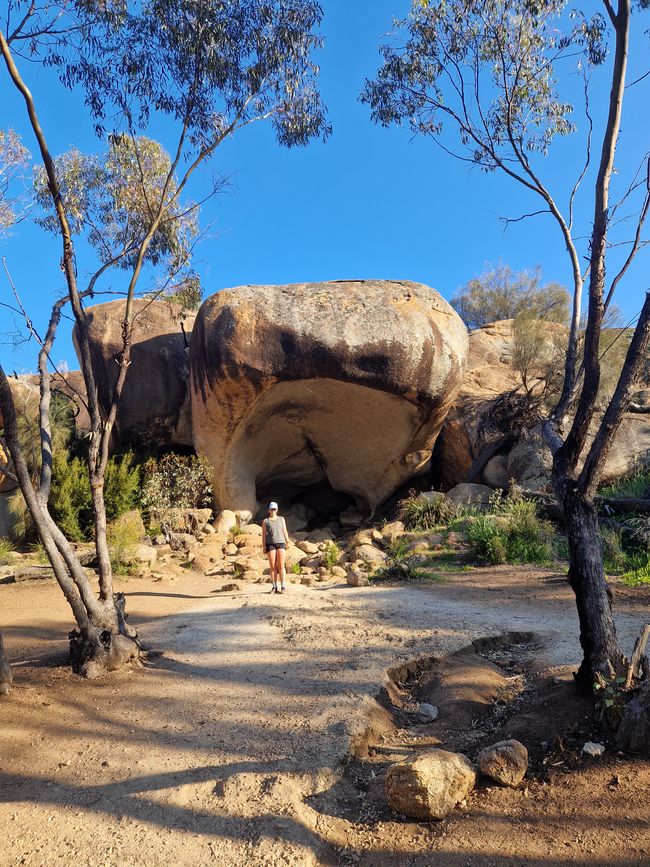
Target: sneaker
{"x": 282, "y": 589}
{"x": 274, "y": 589}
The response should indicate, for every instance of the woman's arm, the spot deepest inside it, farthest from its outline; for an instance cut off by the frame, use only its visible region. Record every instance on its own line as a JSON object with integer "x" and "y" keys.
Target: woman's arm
{"x": 286, "y": 534}
{"x": 263, "y": 535}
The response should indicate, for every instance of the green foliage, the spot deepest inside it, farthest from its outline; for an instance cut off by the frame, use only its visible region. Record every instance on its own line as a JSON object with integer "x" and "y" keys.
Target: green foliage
{"x": 639, "y": 576}
{"x": 111, "y": 199}
{"x": 510, "y": 532}
{"x": 612, "y": 698}
{"x": 295, "y": 569}
{"x": 635, "y": 486}
{"x": 499, "y": 293}
{"x": 14, "y": 158}
{"x": 331, "y": 554}
{"x": 70, "y": 500}
{"x": 121, "y": 485}
{"x": 122, "y": 535}
{"x": 238, "y": 570}
{"x": 176, "y": 482}
{"x": 419, "y": 512}
{"x": 236, "y": 530}
{"x": 6, "y": 547}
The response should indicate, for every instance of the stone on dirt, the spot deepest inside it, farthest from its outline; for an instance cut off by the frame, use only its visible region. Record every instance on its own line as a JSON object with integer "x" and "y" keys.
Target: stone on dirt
{"x": 224, "y": 522}
{"x": 592, "y": 749}
{"x": 370, "y": 554}
{"x": 428, "y": 712}
{"x": 357, "y": 578}
{"x": 229, "y": 588}
{"x": 506, "y": 762}
{"x": 428, "y": 785}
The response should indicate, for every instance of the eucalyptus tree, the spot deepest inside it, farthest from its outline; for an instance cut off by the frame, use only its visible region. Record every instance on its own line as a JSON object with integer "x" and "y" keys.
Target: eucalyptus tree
{"x": 207, "y": 68}
{"x": 484, "y": 80}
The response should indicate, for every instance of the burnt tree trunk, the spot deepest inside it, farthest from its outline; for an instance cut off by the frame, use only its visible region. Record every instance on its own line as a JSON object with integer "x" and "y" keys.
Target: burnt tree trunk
{"x": 6, "y": 677}
{"x": 601, "y": 651}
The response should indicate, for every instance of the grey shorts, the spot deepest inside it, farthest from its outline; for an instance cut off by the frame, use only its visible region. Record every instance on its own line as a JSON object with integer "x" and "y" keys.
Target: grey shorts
{"x": 276, "y": 546}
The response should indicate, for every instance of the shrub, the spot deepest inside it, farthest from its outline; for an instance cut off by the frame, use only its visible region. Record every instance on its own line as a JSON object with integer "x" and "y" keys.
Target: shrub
{"x": 638, "y": 576}
{"x": 420, "y": 512}
{"x": 513, "y": 533}
{"x": 614, "y": 558}
{"x": 176, "y": 482}
{"x": 122, "y": 535}
{"x": 6, "y": 547}
{"x": 70, "y": 499}
{"x": 331, "y": 554}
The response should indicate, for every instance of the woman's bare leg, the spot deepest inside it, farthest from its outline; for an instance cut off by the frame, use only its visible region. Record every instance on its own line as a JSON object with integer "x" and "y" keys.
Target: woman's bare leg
{"x": 272, "y": 563}
{"x": 280, "y": 565}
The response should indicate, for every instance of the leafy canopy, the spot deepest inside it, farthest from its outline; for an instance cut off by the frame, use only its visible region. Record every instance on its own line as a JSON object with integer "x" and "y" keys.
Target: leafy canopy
{"x": 13, "y": 158}
{"x": 111, "y": 198}
{"x": 490, "y": 67}
{"x": 500, "y": 293}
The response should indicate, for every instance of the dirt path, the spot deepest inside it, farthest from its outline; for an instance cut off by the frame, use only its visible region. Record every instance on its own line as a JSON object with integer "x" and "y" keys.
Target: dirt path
{"x": 250, "y": 707}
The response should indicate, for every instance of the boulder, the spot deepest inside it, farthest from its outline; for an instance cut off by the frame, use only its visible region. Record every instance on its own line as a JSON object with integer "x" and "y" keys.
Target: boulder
{"x": 341, "y": 384}
{"x": 308, "y": 547}
{"x": 144, "y": 554}
{"x": 392, "y": 531}
{"x": 470, "y": 495}
{"x": 338, "y": 572}
{"x": 297, "y": 517}
{"x": 357, "y": 578}
{"x": 370, "y": 554}
{"x": 428, "y": 785}
{"x": 350, "y": 517}
{"x": 495, "y": 472}
{"x": 506, "y": 762}
{"x": 155, "y": 407}
{"x": 224, "y": 522}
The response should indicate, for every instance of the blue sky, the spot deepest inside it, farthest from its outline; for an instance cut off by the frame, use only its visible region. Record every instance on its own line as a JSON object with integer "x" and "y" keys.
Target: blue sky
{"x": 368, "y": 203}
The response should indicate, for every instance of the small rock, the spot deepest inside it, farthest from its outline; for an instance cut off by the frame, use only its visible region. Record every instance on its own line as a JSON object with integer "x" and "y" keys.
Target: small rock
{"x": 357, "y": 578}
{"x": 428, "y": 712}
{"x": 229, "y": 588}
{"x": 223, "y": 522}
{"x": 230, "y": 549}
{"x": 506, "y": 762}
{"x": 307, "y": 580}
{"x": 592, "y": 749}
{"x": 428, "y": 785}
{"x": 338, "y": 572}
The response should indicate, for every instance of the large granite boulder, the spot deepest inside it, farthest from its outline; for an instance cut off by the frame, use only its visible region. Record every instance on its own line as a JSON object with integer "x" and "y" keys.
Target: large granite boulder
{"x": 155, "y": 407}
{"x": 342, "y": 385}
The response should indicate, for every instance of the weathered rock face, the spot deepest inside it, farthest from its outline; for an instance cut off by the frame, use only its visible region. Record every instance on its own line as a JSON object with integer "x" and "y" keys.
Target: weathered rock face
{"x": 340, "y": 385}
{"x": 26, "y": 397}
{"x": 155, "y": 407}
{"x": 480, "y": 417}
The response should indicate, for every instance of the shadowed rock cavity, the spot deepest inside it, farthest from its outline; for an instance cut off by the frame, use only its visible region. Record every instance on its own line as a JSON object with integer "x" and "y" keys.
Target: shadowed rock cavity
{"x": 328, "y": 393}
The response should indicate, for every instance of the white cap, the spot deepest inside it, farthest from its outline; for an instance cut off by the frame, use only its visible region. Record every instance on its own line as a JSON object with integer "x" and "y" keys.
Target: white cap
{"x": 273, "y": 506}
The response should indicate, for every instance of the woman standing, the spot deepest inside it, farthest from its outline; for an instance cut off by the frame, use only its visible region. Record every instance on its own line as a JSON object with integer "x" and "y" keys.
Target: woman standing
{"x": 274, "y": 541}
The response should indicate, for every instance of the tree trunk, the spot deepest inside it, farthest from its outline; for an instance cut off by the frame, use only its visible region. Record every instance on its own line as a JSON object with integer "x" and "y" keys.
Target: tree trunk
{"x": 6, "y": 677}
{"x": 601, "y": 651}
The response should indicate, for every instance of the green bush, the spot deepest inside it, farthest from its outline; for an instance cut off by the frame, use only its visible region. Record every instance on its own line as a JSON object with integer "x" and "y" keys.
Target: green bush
{"x": 419, "y": 512}
{"x": 331, "y": 554}
{"x": 177, "y": 482}
{"x": 70, "y": 499}
{"x": 122, "y": 535}
{"x": 513, "y": 533}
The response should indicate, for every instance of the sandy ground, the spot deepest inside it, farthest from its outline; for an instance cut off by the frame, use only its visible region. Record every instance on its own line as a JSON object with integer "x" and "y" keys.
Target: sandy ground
{"x": 230, "y": 747}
